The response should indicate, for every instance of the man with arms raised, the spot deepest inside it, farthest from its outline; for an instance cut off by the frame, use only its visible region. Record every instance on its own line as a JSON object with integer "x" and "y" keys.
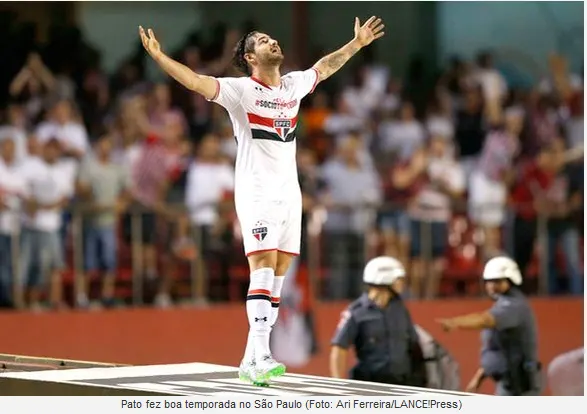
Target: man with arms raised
{"x": 264, "y": 108}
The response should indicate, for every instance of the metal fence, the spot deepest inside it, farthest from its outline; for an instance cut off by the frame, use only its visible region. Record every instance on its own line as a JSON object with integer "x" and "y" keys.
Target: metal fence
{"x": 319, "y": 257}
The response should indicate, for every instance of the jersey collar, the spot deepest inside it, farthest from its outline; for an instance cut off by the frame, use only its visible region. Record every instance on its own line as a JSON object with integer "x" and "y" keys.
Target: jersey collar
{"x": 263, "y": 84}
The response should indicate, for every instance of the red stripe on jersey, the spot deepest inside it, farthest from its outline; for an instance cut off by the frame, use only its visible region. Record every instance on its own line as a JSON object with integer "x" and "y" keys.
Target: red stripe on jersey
{"x": 316, "y": 81}
{"x": 260, "y": 82}
{"x": 268, "y": 122}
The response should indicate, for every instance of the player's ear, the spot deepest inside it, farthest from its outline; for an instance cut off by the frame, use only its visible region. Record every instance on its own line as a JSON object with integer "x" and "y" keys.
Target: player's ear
{"x": 250, "y": 58}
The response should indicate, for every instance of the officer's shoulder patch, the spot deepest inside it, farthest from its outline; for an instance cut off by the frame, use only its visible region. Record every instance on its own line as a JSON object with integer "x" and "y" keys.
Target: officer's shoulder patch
{"x": 344, "y": 317}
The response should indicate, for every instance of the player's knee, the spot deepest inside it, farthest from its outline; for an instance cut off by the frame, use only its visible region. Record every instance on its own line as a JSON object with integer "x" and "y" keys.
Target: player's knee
{"x": 263, "y": 259}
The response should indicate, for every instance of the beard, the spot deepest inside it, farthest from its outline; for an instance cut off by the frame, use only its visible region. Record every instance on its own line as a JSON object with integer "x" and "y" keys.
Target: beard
{"x": 272, "y": 59}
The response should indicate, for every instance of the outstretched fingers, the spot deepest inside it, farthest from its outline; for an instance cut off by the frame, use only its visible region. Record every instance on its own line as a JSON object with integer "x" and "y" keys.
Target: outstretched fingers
{"x": 369, "y": 21}
{"x": 376, "y": 22}
{"x": 378, "y": 30}
{"x": 143, "y": 35}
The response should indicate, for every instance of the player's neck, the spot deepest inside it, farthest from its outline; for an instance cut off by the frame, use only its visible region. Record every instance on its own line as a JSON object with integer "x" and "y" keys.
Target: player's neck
{"x": 269, "y": 76}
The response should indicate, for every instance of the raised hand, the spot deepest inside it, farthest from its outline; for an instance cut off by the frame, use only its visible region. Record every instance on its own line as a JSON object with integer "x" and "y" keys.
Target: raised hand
{"x": 150, "y": 43}
{"x": 371, "y": 30}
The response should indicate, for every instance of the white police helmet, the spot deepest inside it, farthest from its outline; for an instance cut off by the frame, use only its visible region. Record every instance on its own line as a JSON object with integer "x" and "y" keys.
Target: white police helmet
{"x": 502, "y": 267}
{"x": 383, "y": 271}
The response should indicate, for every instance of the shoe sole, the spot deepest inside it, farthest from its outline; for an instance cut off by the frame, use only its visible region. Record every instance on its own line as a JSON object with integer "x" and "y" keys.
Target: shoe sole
{"x": 248, "y": 380}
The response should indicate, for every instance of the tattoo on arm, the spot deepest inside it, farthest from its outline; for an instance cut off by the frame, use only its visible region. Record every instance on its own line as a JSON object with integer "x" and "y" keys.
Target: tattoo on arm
{"x": 331, "y": 63}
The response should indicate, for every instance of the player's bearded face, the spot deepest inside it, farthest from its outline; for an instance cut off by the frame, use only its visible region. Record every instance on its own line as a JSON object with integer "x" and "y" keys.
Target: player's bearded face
{"x": 268, "y": 53}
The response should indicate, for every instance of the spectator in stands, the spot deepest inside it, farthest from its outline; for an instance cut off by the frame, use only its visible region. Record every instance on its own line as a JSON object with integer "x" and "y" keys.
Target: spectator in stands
{"x": 492, "y": 82}
{"x": 565, "y": 199}
{"x": 342, "y": 121}
{"x": 94, "y": 99}
{"x": 390, "y": 99}
{"x": 197, "y": 111}
{"x": 15, "y": 128}
{"x": 50, "y": 185}
{"x": 575, "y": 122}
{"x": 437, "y": 181}
{"x": 63, "y": 125}
{"x": 470, "y": 128}
{"x": 227, "y": 141}
{"x": 311, "y": 185}
{"x": 160, "y": 111}
{"x": 12, "y": 189}
{"x": 439, "y": 120}
{"x": 129, "y": 129}
{"x": 529, "y": 199}
{"x": 102, "y": 187}
{"x": 210, "y": 181}
{"x": 393, "y": 219}
{"x": 544, "y": 123}
{"x": 315, "y": 115}
{"x": 491, "y": 178}
{"x": 352, "y": 192}
{"x": 178, "y": 246}
{"x": 404, "y": 135}
{"x": 560, "y": 80}
{"x": 359, "y": 97}
{"x": 148, "y": 192}
{"x": 33, "y": 85}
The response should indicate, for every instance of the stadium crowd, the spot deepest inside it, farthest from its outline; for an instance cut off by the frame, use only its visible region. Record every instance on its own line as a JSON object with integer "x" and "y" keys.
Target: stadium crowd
{"x": 434, "y": 168}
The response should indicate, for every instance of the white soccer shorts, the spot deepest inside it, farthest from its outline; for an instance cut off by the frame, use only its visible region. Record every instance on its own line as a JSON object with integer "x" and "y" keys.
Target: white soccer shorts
{"x": 271, "y": 226}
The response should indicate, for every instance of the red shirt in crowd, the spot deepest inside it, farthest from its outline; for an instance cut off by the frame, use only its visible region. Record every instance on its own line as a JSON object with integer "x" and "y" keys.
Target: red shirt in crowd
{"x": 531, "y": 184}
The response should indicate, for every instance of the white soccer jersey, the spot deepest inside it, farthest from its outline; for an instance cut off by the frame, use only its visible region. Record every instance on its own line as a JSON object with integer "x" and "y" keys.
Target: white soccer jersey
{"x": 264, "y": 120}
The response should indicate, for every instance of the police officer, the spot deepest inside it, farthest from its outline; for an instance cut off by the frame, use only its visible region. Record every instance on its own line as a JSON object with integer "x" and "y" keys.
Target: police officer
{"x": 509, "y": 338}
{"x": 379, "y": 327}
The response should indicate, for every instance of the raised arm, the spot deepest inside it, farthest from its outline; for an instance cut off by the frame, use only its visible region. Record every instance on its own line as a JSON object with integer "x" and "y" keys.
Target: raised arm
{"x": 364, "y": 35}
{"x": 202, "y": 84}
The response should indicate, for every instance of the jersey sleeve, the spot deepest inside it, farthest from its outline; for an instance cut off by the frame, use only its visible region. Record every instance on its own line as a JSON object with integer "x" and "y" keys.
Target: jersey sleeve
{"x": 229, "y": 92}
{"x": 304, "y": 82}
{"x": 506, "y": 313}
{"x": 346, "y": 331}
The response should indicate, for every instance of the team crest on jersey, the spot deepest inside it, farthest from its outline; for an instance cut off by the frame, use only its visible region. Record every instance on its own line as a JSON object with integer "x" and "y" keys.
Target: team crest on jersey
{"x": 282, "y": 127}
{"x": 260, "y": 232}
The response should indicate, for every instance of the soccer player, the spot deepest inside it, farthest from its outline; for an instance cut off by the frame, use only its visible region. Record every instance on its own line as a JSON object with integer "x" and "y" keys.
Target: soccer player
{"x": 264, "y": 108}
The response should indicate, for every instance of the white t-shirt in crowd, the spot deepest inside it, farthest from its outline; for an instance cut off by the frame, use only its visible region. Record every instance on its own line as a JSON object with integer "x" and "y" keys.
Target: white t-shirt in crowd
{"x": 72, "y": 135}
{"x": 47, "y": 183}
{"x": 20, "y": 140}
{"x": 206, "y": 185}
{"x": 12, "y": 190}
{"x": 401, "y": 137}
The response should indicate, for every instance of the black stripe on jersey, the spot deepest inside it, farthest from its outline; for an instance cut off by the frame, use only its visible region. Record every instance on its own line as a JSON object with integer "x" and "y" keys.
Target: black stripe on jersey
{"x": 271, "y": 136}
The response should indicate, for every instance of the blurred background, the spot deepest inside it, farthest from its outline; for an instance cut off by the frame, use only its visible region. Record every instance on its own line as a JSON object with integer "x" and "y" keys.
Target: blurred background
{"x": 456, "y": 137}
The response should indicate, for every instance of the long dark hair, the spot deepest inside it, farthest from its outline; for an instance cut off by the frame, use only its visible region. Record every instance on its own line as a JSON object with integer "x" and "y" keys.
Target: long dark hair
{"x": 245, "y": 45}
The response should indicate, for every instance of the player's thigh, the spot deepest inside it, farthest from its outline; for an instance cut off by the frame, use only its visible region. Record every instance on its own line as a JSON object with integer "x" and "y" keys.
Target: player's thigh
{"x": 260, "y": 230}
{"x": 290, "y": 238}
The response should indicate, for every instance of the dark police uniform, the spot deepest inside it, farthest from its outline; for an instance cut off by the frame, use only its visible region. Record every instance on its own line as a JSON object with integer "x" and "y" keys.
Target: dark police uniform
{"x": 509, "y": 353}
{"x": 385, "y": 341}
